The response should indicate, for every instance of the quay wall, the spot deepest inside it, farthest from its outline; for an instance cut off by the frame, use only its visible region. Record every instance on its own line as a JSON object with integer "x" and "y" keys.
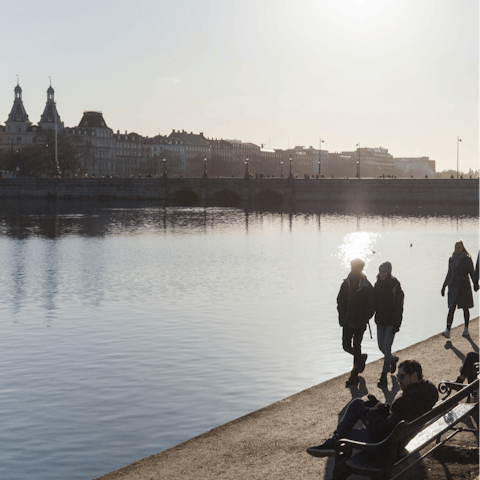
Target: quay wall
{"x": 241, "y": 191}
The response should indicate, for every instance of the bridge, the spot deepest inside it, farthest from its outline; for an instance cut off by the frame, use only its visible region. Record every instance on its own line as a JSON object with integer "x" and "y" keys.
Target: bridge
{"x": 243, "y": 191}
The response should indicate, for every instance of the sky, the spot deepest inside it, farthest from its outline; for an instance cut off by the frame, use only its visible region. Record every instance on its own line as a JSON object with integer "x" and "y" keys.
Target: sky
{"x": 397, "y": 74}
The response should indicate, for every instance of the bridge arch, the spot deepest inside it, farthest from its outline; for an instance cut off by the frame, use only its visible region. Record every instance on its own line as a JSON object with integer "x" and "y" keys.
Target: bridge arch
{"x": 185, "y": 198}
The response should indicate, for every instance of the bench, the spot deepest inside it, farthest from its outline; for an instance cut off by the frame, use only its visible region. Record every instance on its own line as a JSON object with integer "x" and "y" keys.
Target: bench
{"x": 378, "y": 460}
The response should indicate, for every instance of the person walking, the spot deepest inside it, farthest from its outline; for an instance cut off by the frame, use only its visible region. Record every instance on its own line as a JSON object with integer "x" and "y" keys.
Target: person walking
{"x": 460, "y": 265}
{"x": 355, "y": 308}
{"x": 476, "y": 268}
{"x": 389, "y": 296}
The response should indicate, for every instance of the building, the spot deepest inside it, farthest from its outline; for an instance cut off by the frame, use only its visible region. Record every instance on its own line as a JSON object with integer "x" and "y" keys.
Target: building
{"x": 128, "y": 153}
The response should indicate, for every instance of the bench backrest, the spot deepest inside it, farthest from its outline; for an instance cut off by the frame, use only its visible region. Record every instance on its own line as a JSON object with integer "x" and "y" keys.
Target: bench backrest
{"x": 440, "y": 408}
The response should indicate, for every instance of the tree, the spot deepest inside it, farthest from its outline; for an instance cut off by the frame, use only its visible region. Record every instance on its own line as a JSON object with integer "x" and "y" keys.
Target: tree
{"x": 71, "y": 154}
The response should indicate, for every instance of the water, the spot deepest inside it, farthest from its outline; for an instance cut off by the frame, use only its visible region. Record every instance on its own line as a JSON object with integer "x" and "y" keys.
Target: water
{"x": 129, "y": 329}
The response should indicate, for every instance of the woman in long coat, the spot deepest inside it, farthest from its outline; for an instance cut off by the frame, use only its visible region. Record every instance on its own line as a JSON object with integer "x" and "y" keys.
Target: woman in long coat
{"x": 460, "y": 266}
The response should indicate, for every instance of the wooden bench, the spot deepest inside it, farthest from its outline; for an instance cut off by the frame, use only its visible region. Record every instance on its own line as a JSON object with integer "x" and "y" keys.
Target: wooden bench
{"x": 378, "y": 460}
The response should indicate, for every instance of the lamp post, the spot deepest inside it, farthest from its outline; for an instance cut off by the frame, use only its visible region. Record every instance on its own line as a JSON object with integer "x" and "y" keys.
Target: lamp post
{"x": 281, "y": 165}
{"x": 164, "y": 167}
{"x": 247, "y": 173}
{"x": 458, "y": 143}
{"x": 205, "y": 174}
{"x": 320, "y": 157}
{"x": 358, "y": 161}
{"x": 290, "y": 166}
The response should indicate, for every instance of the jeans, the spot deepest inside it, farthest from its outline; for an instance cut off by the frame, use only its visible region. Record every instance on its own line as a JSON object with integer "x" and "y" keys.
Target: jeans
{"x": 385, "y": 338}
{"x": 356, "y": 335}
{"x": 355, "y": 411}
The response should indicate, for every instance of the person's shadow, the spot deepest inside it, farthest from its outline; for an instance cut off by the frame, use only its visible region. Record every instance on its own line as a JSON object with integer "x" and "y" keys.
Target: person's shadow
{"x": 449, "y": 346}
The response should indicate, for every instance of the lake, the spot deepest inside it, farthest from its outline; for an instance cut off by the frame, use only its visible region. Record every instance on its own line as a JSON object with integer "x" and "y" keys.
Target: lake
{"x": 129, "y": 328}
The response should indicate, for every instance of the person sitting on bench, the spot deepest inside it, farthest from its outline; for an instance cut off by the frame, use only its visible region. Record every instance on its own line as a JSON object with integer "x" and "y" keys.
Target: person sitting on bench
{"x": 468, "y": 370}
{"x": 418, "y": 397}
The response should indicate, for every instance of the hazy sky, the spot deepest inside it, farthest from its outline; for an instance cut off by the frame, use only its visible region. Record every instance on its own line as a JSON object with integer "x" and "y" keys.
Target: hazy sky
{"x": 401, "y": 74}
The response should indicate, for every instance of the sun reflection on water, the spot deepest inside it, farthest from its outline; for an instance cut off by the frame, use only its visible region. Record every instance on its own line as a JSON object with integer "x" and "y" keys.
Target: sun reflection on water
{"x": 358, "y": 245}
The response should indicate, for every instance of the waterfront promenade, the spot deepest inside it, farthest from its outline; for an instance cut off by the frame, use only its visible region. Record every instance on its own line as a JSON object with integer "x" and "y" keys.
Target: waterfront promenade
{"x": 239, "y": 191}
{"x": 270, "y": 443}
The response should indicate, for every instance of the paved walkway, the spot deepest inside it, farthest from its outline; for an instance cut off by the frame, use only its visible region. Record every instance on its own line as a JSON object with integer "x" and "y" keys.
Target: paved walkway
{"x": 270, "y": 443}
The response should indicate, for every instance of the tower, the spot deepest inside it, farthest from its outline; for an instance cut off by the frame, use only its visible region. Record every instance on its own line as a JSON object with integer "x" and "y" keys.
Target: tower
{"x": 50, "y": 117}
{"x": 18, "y": 119}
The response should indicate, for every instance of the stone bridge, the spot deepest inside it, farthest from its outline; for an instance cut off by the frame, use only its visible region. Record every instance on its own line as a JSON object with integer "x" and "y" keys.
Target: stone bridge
{"x": 239, "y": 191}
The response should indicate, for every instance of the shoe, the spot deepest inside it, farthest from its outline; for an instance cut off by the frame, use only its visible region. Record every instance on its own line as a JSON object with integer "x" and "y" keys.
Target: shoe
{"x": 446, "y": 333}
{"x": 465, "y": 332}
{"x": 326, "y": 449}
{"x": 383, "y": 380}
{"x": 393, "y": 364}
{"x": 353, "y": 380}
{"x": 362, "y": 363}
{"x": 459, "y": 380}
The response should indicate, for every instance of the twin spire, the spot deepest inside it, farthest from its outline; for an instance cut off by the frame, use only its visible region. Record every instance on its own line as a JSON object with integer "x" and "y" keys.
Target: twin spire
{"x": 49, "y": 117}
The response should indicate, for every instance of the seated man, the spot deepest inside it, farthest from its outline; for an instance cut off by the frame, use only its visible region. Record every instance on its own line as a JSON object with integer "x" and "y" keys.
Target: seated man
{"x": 379, "y": 419}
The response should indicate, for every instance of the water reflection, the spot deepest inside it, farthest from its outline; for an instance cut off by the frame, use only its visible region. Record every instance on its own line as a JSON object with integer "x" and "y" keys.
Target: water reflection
{"x": 25, "y": 218}
{"x": 358, "y": 245}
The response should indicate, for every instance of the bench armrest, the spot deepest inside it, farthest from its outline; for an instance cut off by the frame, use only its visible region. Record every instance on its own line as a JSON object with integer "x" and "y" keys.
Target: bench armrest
{"x": 344, "y": 446}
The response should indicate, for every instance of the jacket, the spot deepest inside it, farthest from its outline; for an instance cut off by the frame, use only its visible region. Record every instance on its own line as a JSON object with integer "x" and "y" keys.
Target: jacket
{"x": 417, "y": 399}
{"x": 355, "y": 302}
{"x": 389, "y": 297}
{"x": 459, "y": 284}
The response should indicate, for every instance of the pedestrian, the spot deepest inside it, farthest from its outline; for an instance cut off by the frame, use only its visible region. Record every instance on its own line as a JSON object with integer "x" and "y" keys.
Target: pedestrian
{"x": 476, "y": 268}
{"x": 389, "y": 296}
{"x": 379, "y": 419}
{"x": 460, "y": 265}
{"x": 355, "y": 305}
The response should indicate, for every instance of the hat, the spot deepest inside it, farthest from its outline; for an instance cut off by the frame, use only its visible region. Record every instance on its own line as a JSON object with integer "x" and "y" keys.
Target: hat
{"x": 387, "y": 266}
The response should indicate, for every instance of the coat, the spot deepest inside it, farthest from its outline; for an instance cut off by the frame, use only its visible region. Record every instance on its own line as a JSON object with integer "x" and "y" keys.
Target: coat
{"x": 389, "y": 298}
{"x": 355, "y": 303}
{"x": 459, "y": 289}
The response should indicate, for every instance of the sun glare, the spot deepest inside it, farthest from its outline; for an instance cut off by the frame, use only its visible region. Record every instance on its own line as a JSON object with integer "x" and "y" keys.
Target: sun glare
{"x": 358, "y": 245}
{"x": 358, "y": 9}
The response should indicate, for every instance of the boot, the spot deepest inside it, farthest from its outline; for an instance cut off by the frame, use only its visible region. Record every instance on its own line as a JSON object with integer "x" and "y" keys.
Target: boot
{"x": 393, "y": 364}
{"x": 383, "y": 380}
{"x": 353, "y": 380}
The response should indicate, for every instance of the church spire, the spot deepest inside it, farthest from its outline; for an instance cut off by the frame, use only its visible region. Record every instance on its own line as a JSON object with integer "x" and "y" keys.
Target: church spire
{"x": 50, "y": 115}
{"x": 18, "y": 113}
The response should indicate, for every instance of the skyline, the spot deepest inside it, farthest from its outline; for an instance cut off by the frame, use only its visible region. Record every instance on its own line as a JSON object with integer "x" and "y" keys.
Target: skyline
{"x": 392, "y": 74}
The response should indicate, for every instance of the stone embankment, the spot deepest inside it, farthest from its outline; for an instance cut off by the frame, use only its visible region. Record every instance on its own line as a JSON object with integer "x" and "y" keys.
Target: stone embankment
{"x": 270, "y": 443}
{"x": 235, "y": 191}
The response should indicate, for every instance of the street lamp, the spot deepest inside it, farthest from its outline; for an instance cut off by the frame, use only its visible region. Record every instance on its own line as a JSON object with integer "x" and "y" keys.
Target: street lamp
{"x": 164, "y": 167}
{"x": 358, "y": 161}
{"x": 281, "y": 171}
{"x": 320, "y": 158}
{"x": 205, "y": 174}
{"x": 458, "y": 143}
{"x": 290, "y": 166}
{"x": 247, "y": 173}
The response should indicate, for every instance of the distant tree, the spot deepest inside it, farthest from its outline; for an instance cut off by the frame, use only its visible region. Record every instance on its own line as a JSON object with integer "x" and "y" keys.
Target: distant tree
{"x": 71, "y": 154}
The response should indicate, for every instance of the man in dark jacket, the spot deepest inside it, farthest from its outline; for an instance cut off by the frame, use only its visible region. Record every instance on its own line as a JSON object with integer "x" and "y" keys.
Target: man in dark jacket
{"x": 418, "y": 397}
{"x": 355, "y": 305}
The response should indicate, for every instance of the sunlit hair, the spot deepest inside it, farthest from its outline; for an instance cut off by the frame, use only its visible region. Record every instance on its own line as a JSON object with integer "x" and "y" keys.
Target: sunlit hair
{"x": 357, "y": 263}
{"x": 410, "y": 367}
{"x": 463, "y": 246}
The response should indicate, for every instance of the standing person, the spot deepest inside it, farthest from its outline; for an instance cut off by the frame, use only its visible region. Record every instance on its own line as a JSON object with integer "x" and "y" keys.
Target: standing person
{"x": 460, "y": 265}
{"x": 355, "y": 308}
{"x": 477, "y": 269}
{"x": 389, "y": 297}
